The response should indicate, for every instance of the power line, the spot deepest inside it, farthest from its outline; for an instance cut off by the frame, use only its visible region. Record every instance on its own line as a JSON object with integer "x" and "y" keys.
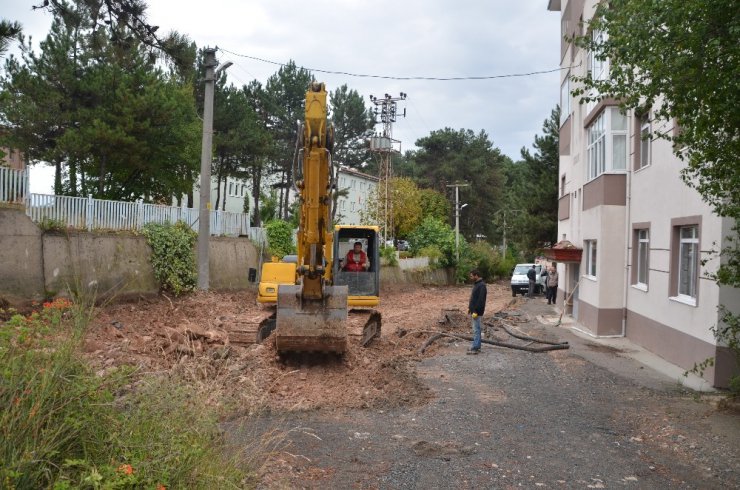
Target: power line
{"x": 390, "y": 77}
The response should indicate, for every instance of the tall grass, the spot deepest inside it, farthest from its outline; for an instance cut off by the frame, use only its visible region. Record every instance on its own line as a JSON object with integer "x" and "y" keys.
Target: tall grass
{"x": 62, "y": 426}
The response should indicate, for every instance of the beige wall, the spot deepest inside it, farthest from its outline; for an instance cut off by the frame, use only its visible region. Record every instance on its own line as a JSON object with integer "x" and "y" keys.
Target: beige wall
{"x": 35, "y": 265}
{"x": 21, "y": 266}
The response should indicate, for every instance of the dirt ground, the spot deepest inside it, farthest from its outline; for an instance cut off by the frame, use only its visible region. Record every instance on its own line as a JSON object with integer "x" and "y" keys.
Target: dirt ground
{"x": 388, "y": 416}
{"x": 163, "y": 333}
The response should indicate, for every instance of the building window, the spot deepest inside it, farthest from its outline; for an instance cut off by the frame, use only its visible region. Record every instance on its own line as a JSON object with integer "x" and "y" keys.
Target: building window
{"x": 688, "y": 261}
{"x": 590, "y": 249}
{"x": 643, "y": 253}
{"x": 607, "y": 143}
{"x": 565, "y": 99}
{"x": 644, "y": 141}
{"x": 562, "y": 185}
{"x": 352, "y": 184}
{"x": 596, "y": 66}
{"x": 351, "y": 206}
{"x": 231, "y": 188}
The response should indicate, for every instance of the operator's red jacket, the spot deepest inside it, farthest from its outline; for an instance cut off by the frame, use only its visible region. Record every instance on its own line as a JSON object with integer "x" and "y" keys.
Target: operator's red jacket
{"x": 352, "y": 265}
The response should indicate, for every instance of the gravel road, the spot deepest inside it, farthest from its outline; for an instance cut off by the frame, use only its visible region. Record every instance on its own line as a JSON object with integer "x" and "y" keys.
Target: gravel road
{"x": 586, "y": 417}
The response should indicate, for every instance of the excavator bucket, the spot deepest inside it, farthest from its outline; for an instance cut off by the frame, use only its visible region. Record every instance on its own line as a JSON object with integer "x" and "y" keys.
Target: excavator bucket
{"x": 311, "y": 325}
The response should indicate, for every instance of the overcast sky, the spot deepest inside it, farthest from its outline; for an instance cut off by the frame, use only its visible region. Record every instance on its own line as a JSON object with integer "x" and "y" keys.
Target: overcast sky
{"x": 402, "y": 38}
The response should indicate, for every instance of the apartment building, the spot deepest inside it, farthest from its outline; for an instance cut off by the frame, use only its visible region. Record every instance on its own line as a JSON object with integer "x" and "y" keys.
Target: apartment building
{"x": 647, "y": 239}
{"x": 359, "y": 187}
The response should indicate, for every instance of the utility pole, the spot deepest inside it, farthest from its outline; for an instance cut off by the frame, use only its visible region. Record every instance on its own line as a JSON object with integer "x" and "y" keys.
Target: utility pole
{"x": 385, "y": 146}
{"x": 204, "y": 208}
{"x": 503, "y": 212}
{"x": 457, "y": 218}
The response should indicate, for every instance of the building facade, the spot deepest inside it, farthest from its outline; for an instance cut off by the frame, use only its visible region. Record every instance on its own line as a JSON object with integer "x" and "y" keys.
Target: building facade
{"x": 359, "y": 188}
{"x": 649, "y": 241}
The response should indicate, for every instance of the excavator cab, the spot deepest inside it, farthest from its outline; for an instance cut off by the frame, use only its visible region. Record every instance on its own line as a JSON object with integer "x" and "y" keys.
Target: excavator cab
{"x": 363, "y": 283}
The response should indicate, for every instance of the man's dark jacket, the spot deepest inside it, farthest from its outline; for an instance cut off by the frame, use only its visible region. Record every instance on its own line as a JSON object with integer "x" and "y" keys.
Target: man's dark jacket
{"x": 478, "y": 298}
{"x": 532, "y": 274}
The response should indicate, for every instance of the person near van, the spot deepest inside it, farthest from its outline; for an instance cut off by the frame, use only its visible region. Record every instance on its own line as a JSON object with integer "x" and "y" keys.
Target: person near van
{"x": 476, "y": 308}
{"x": 356, "y": 260}
{"x": 552, "y": 284}
{"x": 532, "y": 276}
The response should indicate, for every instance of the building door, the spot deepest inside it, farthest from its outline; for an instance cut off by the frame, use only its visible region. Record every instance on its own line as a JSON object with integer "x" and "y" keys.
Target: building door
{"x": 573, "y": 287}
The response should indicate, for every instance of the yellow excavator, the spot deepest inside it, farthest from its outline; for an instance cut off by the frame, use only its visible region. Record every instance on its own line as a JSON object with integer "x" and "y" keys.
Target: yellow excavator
{"x": 315, "y": 289}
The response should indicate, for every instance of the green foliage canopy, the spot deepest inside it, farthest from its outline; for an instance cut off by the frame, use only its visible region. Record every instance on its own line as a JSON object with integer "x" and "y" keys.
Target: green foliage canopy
{"x": 351, "y": 120}
{"x": 280, "y": 238}
{"x": 448, "y": 157}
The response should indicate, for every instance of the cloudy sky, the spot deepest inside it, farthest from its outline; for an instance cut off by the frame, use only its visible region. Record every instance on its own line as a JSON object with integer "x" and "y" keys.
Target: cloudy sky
{"x": 406, "y": 38}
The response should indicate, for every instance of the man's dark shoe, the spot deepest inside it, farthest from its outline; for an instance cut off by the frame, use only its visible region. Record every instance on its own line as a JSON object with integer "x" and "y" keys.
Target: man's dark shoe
{"x": 472, "y": 351}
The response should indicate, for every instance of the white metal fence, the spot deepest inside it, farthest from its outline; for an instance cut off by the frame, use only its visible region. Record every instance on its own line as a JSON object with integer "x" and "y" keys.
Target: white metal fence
{"x": 13, "y": 185}
{"x": 86, "y": 213}
{"x": 98, "y": 214}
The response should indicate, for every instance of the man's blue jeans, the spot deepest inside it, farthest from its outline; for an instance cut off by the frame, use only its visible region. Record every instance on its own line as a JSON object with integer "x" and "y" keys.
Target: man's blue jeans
{"x": 476, "y": 334}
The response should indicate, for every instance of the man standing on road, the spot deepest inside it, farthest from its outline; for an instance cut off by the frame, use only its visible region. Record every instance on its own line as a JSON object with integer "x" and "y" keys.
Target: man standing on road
{"x": 552, "y": 284}
{"x": 476, "y": 308}
{"x": 532, "y": 276}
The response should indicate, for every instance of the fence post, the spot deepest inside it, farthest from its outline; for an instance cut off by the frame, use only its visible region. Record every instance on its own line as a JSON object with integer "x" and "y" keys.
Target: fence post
{"x": 89, "y": 213}
{"x": 140, "y": 215}
{"x": 26, "y": 184}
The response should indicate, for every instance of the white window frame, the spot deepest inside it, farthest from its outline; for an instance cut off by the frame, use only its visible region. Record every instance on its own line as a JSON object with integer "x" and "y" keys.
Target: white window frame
{"x": 688, "y": 262}
{"x": 643, "y": 258}
{"x": 645, "y": 142}
{"x": 599, "y": 69}
{"x": 590, "y": 250}
{"x": 565, "y": 99}
{"x": 600, "y": 145}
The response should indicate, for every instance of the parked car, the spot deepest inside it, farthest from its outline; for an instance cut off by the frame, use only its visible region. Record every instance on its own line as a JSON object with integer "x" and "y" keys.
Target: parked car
{"x": 402, "y": 245}
{"x": 520, "y": 282}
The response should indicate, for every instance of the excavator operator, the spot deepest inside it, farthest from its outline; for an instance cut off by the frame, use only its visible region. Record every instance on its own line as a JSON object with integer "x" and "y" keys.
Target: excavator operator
{"x": 356, "y": 260}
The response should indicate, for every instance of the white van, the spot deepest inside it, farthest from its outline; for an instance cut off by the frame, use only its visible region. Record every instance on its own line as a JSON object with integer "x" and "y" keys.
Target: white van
{"x": 520, "y": 282}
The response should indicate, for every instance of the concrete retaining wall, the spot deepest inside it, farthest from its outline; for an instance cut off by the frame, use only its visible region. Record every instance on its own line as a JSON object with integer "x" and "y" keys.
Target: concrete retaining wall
{"x": 437, "y": 277}
{"x": 100, "y": 263}
{"x": 21, "y": 265}
{"x": 35, "y": 264}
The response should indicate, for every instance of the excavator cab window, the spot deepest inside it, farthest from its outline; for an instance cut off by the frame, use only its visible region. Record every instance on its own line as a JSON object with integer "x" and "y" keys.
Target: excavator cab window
{"x": 360, "y": 279}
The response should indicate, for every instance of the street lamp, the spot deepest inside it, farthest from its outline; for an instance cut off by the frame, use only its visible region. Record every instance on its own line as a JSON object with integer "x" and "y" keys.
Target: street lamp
{"x": 457, "y": 218}
{"x": 204, "y": 211}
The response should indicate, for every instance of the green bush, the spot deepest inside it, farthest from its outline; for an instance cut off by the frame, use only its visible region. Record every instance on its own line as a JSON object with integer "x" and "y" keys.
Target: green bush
{"x": 62, "y": 427}
{"x": 434, "y": 254}
{"x": 173, "y": 255}
{"x": 433, "y": 232}
{"x": 51, "y": 224}
{"x": 389, "y": 254}
{"x": 279, "y": 238}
